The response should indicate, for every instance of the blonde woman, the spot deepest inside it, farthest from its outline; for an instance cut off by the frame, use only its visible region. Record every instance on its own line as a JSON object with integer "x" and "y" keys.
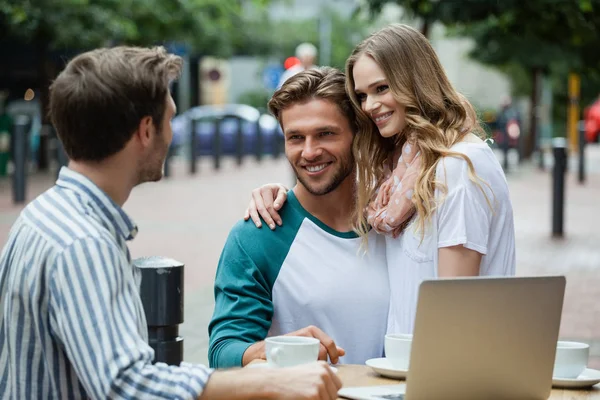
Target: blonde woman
{"x": 425, "y": 177}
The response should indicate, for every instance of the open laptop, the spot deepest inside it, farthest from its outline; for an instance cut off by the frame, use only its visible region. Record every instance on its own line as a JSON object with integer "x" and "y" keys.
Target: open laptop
{"x": 480, "y": 338}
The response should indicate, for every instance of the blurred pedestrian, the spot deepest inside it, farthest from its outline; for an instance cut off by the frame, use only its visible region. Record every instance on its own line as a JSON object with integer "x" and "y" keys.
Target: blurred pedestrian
{"x": 307, "y": 54}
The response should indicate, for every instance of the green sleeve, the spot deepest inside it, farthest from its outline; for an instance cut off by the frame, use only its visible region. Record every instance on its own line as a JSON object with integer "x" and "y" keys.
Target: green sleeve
{"x": 243, "y": 306}
{"x": 247, "y": 270}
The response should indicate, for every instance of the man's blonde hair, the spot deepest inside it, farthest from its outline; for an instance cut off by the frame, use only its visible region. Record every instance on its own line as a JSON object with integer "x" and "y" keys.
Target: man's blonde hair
{"x": 324, "y": 83}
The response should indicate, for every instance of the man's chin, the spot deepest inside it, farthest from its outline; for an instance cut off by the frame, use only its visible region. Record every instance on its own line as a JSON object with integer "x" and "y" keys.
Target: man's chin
{"x": 320, "y": 189}
{"x": 151, "y": 177}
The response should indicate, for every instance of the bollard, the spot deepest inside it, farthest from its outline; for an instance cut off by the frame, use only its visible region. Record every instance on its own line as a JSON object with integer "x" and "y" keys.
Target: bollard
{"x": 20, "y": 136}
{"x": 259, "y": 139}
{"x": 559, "y": 148}
{"x": 193, "y": 147}
{"x": 162, "y": 297}
{"x": 581, "y": 152}
{"x": 239, "y": 142}
{"x": 217, "y": 144}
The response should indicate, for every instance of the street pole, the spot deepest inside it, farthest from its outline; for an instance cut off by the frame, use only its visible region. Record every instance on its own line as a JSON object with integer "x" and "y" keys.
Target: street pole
{"x": 573, "y": 114}
{"x": 582, "y": 144}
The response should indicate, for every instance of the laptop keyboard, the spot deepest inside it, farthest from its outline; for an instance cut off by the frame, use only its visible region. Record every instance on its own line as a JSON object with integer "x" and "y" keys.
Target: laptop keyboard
{"x": 391, "y": 397}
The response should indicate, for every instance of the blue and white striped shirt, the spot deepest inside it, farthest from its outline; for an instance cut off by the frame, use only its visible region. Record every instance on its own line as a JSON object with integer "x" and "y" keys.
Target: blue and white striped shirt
{"x": 72, "y": 323}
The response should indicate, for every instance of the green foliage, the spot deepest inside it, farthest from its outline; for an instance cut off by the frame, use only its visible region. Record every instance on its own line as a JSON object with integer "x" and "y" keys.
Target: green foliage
{"x": 533, "y": 32}
{"x": 204, "y": 25}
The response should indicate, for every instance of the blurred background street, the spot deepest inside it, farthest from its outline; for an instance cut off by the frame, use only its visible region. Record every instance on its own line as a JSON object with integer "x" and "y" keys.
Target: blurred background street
{"x": 531, "y": 69}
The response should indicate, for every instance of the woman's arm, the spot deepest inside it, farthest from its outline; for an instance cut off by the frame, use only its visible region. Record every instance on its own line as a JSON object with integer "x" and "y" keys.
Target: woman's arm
{"x": 458, "y": 261}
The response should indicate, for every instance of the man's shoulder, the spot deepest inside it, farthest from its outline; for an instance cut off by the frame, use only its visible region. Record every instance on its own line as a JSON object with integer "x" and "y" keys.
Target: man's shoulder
{"x": 247, "y": 232}
{"x": 60, "y": 222}
{"x": 245, "y": 235}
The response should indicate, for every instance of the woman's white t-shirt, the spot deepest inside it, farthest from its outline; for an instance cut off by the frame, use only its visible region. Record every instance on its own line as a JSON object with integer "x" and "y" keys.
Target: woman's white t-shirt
{"x": 463, "y": 217}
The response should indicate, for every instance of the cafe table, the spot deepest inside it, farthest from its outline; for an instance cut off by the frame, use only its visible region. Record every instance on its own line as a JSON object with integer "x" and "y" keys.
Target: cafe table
{"x": 353, "y": 375}
{"x": 362, "y": 375}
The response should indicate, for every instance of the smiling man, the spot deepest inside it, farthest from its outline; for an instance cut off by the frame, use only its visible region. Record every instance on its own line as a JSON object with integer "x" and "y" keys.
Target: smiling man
{"x": 308, "y": 277}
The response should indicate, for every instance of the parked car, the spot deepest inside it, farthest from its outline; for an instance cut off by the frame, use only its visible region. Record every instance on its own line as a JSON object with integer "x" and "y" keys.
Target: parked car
{"x": 592, "y": 122}
{"x": 202, "y": 120}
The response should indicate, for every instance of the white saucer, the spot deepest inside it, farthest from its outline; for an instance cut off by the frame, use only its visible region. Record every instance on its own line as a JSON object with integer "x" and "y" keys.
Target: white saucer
{"x": 383, "y": 367}
{"x": 267, "y": 365}
{"x": 589, "y": 377}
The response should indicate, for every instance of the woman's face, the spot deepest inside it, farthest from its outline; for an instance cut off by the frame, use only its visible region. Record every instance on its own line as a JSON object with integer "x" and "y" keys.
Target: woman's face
{"x": 373, "y": 93}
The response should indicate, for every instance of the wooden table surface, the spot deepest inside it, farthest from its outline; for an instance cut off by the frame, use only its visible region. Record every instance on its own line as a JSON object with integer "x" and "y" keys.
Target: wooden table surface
{"x": 362, "y": 375}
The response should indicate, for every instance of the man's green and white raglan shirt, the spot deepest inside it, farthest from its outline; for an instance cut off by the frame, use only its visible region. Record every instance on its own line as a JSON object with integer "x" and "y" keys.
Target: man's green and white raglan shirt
{"x": 304, "y": 273}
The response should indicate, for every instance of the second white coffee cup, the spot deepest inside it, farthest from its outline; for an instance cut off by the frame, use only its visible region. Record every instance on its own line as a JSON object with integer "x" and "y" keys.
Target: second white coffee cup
{"x": 397, "y": 350}
{"x": 287, "y": 351}
{"x": 571, "y": 359}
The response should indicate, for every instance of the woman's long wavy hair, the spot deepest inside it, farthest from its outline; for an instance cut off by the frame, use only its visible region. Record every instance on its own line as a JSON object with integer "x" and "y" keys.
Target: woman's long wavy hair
{"x": 437, "y": 117}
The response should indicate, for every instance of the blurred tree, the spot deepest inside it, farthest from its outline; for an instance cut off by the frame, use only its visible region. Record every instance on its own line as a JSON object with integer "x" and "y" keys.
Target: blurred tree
{"x": 563, "y": 39}
{"x": 541, "y": 36}
{"x": 448, "y": 12}
{"x": 205, "y": 25}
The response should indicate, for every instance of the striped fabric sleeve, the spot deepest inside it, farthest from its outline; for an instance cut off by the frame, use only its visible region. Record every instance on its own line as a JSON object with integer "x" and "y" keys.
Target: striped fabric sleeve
{"x": 94, "y": 313}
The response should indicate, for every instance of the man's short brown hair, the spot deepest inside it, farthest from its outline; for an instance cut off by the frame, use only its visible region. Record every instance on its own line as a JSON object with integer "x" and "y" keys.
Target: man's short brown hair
{"x": 324, "y": 83}
{"x": 99, "y": 99}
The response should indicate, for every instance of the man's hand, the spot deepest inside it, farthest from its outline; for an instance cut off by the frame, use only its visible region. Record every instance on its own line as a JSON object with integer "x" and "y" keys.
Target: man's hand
{"x": 309, "y": 381}
{"x": 314, "y": 381}
{"x": 328, "y": 346}
{"x": 266, "y": 201}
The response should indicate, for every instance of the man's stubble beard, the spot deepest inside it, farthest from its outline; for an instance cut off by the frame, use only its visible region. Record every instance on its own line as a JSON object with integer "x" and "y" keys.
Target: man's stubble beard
{"x": 152, "y": 168}
{"x": 345, "y": 170}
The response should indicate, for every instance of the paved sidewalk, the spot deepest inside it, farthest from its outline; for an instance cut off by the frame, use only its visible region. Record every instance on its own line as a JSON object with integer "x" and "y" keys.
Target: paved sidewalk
{"x": 188, "y": 218}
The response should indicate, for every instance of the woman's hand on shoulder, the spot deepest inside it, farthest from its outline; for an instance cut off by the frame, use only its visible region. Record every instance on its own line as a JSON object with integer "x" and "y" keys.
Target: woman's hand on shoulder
{"x": 266, "y": 201}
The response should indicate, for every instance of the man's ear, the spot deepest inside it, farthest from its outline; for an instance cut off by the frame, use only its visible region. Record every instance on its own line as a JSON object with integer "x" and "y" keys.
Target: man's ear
{"x": 145, "y": 131}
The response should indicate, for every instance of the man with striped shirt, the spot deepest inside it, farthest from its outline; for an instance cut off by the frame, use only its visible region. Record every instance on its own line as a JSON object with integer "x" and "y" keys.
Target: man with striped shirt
{"x": 72, "y": 323}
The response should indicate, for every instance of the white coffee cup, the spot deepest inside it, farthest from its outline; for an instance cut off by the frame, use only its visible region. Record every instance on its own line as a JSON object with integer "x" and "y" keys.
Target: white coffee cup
{"x": 397, "y": 350}
{"x": 287, "y": 351}
{"x": 571, "y": 359}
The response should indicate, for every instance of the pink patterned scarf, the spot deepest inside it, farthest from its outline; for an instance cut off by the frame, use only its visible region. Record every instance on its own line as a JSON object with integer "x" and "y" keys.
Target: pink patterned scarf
{"x": 392, "y": 207}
